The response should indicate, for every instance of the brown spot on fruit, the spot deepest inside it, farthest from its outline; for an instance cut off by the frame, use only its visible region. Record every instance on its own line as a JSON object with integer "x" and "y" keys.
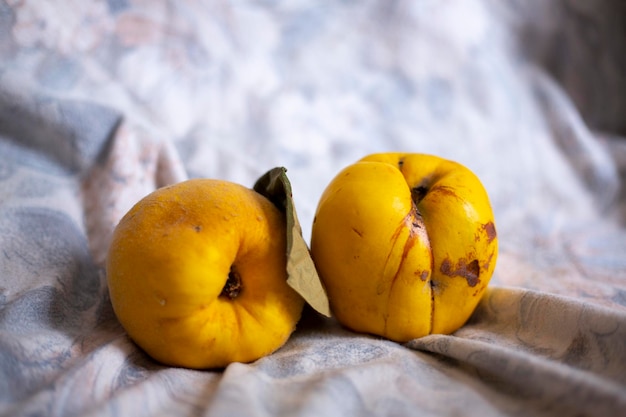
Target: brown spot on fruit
{"x": 417, "y": 231}
{"x": 233, "y": 285}
{"x": 423, "y": 275}
{"x": 487, "y": 263}
{"x": 197, "y": 228}
{"x": 358, "y": 232}
{"x": 445, "y": 190}
{"x": 470, "y": 271}
{"x": 446, "y": 268}
{"x": 437, "y": 287}
{"x": 490, "y": 229}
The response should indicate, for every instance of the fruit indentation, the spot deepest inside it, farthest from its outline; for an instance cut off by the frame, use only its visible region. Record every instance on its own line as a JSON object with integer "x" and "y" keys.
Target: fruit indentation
{"x": 418, "y": 193}
{"x": 233, "y": 286}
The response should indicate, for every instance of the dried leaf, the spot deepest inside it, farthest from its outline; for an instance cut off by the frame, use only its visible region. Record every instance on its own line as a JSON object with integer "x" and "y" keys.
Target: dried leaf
{"x": 301, "y": 273}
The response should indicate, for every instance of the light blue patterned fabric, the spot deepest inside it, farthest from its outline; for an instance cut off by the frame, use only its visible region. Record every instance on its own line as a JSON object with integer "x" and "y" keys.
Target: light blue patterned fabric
{"x": 101, "y": 102}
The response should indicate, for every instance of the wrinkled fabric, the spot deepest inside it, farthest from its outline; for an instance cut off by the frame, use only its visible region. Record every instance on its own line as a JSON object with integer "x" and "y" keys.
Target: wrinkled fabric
{"x": 102, "y": 102}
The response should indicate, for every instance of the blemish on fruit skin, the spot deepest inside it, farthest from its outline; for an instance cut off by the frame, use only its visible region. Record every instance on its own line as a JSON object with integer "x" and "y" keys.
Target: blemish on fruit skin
{"x": 470, "y": 271}
{"x": 490, "y": 229}
{"x": 197, "y": 228}
{"x": 443, "y": 189}
{"x": 437, "y": 287}
{"x": 414, "y": 222}
{"x": 488, "y": 261}
{"x": 423, "y": 275}
{"x": 358, "y": 232}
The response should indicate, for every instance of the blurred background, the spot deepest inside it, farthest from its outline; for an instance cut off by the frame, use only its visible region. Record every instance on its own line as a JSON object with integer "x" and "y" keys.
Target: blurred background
{"x": 523, "y": 93}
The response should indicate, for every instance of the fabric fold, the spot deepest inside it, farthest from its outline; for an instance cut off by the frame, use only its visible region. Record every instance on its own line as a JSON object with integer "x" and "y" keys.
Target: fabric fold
{"x": 542, "y": 348}
{"x": 68, "y": 133}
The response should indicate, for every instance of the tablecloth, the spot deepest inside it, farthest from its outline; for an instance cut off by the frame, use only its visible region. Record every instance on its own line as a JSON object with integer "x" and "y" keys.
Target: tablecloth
{"x": 102, "y": 102}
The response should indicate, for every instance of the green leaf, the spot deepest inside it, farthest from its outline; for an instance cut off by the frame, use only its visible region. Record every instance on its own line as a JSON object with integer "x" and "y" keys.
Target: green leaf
{"x": 301, "y": 273}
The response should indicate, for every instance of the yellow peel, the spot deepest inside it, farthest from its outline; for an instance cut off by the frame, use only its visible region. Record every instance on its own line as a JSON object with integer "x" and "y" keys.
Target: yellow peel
{"x": 405, "y": 245}
{"x": 170, "y": 259}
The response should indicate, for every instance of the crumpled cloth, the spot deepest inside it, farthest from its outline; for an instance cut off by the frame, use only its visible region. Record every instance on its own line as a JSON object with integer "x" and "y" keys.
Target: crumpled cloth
{"x": 101, "y": 102}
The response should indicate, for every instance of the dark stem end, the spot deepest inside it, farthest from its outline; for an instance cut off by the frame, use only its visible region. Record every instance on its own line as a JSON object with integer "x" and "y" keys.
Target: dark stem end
{"x": 233, "y": 286}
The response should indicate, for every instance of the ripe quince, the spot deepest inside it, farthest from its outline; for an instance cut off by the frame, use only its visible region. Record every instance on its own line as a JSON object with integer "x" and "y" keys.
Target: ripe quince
{"x": 405, "y": 245}
{"x": 197, "y": 275}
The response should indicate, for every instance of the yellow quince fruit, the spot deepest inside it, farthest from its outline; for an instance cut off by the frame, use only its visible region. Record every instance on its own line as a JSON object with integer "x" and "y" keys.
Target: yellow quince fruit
{"x": 405, "y": 245}
{"x": 197, "y": 275}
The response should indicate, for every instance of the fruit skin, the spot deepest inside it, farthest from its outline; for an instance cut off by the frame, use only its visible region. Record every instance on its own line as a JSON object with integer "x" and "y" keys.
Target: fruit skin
{"x": 405, "y": 245}
{"x": 169, "y": 261}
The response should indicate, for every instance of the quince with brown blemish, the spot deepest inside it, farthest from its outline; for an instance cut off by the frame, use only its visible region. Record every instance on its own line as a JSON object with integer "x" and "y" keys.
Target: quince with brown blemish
{"x": 405, "y": 245}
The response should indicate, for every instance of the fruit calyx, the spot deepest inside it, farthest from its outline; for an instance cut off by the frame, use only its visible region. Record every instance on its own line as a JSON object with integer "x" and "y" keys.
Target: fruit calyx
{"x": 418, "y": 193}
{"x": 233, "y": 285}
